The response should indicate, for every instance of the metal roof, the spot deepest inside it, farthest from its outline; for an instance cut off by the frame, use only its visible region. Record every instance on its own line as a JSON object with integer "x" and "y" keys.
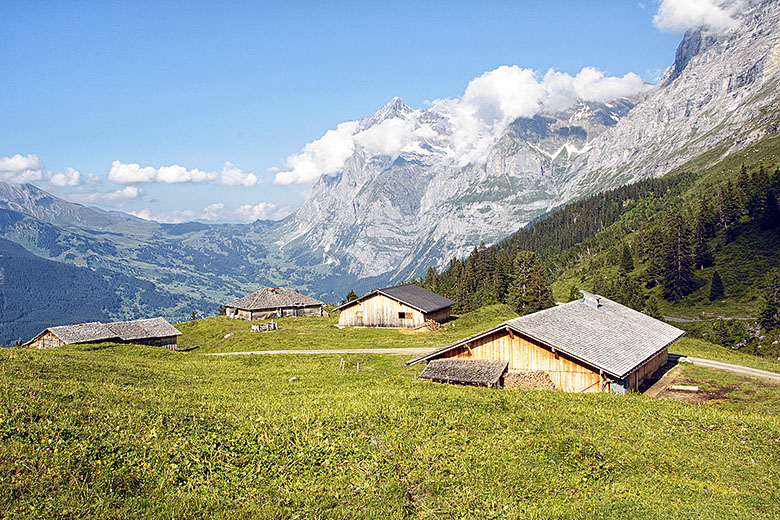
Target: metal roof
{"x": 143, "y": 329}
{"x": 480, "y": 372}
{"x": 273, "y": 298}
{"x": 409, "y": 294}
{"x": 594, "y": 330}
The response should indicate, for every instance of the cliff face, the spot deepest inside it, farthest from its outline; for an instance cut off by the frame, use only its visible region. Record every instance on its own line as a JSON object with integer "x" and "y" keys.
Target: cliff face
{"x": 394, "y": 216}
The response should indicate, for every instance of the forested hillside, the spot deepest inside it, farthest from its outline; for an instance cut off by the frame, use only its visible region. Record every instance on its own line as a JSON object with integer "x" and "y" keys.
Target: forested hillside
{"x": 701, "y": 244}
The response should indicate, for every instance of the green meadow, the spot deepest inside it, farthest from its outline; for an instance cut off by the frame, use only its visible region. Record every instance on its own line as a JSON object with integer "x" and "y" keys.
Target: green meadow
{"x": 126, "y": 431}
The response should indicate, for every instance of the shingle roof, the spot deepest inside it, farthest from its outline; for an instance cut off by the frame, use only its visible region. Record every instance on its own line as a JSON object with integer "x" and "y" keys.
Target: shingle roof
{"x": 119, "y": 330}
{"x": 273, "y": 298}
{"x": 478, "y": 372}
{"x": 143, "y": 329}
{"x": 594, "y": 330}
{"x": 83, "y": 332}
{"x": 412, "y": 295}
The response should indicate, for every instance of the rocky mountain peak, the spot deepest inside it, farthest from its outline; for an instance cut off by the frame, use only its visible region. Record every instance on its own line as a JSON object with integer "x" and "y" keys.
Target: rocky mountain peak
{"x": 393, "y": 109}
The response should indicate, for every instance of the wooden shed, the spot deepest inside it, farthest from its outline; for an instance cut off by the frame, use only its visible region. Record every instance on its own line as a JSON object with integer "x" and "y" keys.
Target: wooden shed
{"x": 274, "y": 302}
{"x": 402, "y": 306}
{"x": 589, "y": 345}
{"x": 153, "y": 331}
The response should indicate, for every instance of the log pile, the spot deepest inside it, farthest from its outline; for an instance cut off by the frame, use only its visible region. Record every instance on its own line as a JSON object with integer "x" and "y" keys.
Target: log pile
{"x": 529, "y": 380}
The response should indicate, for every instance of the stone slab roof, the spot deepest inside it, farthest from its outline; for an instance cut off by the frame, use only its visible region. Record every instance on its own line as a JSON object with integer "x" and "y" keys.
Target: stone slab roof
{"x": 143, "y": 329}
{"x": 412, "y": 295}
{"x": 595, "y": 330}
{"x": 273, "y": 298}
{"x": 82, "y": 332}
{"x": 479, "y": 372}
{"x": 119, "y": 330}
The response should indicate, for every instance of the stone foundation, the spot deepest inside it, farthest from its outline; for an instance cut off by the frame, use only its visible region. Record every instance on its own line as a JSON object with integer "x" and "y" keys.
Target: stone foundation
{"x": 529, "y": 380}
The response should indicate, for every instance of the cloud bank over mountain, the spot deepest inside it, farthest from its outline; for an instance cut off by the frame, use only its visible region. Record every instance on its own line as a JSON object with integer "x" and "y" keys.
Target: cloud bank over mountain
{"x": 473, "y": 121}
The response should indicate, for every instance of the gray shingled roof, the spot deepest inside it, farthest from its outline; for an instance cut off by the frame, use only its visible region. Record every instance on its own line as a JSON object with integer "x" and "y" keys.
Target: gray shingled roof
{"x": 478, "y": 372}
{"x": 143, "y": 329}
{"x": 119, "y": 330}
{"x": 610, "y": 336}
{"x": 82, "y": 332}
{"x": 412, "y": 295}
{"x": 273, "y": 298}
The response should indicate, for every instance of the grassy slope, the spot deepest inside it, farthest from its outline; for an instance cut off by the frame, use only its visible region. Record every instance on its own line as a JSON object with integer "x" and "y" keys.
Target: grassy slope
{"x": 127, "y": 431}
{"x": 743, "y": 264}
{"x": 208, "y": 335}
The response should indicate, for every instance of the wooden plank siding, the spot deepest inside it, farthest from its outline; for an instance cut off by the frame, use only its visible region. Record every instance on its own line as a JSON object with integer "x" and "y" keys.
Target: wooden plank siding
{"x": 380, "y": 311}
{"x": 46, "y": 340}
{"x": 567, "y": 374}
{"x": 523, "y": 354}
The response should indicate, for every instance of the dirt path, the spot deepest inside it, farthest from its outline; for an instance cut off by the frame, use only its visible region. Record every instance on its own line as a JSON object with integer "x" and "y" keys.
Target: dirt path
{"x": 400, "y": 351}
{"x": 737, "y": 369}
{"x": 675, "y": 319}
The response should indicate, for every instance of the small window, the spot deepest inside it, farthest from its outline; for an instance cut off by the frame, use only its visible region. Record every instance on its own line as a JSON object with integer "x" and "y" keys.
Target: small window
{"x": 404, "y": 315}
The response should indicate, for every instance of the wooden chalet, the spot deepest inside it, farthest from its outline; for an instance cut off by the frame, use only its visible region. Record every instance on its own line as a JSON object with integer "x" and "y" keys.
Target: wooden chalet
{"x": 589, "y": 345}
{"x": 274, "y": 302}
{"x": 404, "y": 306}
{"x": 153, "y": 331}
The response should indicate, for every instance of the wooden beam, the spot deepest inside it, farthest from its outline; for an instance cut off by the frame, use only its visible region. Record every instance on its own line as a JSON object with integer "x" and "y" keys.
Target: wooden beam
{"x": 511, "y": 333}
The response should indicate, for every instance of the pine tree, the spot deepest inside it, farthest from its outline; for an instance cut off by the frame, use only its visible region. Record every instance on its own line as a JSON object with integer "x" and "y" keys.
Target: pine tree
{"x": 769, "y": 317}
{"x": 678, "y": 277}
{"x": 770, "y": 219}
{"x": 626, "y": 260}
{"x": 701, "y": 245}
{"x": 529, "y": 291}
{"x": 717, "y": 292}
{"x": 351, "y": 295}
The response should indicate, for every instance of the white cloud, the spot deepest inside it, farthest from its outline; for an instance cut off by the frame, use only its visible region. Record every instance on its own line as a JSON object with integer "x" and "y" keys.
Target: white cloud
{"x": 465, "y": 127}
{"x": 326, "y": 155}
{"x": 213, "y": 211}
{"x": 21, "y": 168}
{"x": 262, "y": 211}
{"x": 233, "y": 176}
{"x": 69, "y": 177}
{"x": 175, "y": 217}
{"x": 132, "y": 173}
{"x": 128, "y": 192}
{"x": 677, "y": 16}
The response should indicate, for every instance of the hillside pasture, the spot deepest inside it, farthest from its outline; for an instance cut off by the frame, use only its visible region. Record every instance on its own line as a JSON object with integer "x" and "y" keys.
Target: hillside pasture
{"x": 125, "y": 431}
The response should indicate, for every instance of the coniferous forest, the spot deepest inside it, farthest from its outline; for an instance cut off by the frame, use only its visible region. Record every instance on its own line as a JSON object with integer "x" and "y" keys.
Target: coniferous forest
{"x": 651, "y": 245}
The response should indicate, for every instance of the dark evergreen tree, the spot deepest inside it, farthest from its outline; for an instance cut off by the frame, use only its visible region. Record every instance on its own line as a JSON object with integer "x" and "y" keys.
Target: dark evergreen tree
{"x": 431, "y": 280}
{"x": 717, "y": 291}
{"x": 654, "y": 242}
{"x": 626, "y": 260}
{"x": 769, "y": 317}
{"x": 678, "y": 276}
{"x": 574, "y": 293}
{"x": 771, "y": 213}
{"x": 701, "y": 245}
{"x": 529, "y": 291}
{"x": 351, "y": 295}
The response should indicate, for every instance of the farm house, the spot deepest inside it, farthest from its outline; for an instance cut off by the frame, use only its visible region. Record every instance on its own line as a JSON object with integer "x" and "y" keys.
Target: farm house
{"x": 153, "y": 331}
{"x": 589, "y": 345}
{"x": 403, "y": 306}
{"x": 274, "y": 302}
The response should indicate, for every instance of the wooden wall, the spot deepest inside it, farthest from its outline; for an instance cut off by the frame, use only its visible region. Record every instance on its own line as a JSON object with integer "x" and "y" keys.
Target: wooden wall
{"x": 440, "y": 316}
{"x": 635, "y": 378}
{"x": 46, "y": 340}
{"x": 522, "y": 354}
{"x": 380, "y": 311}
{"x": 311, "y": 310}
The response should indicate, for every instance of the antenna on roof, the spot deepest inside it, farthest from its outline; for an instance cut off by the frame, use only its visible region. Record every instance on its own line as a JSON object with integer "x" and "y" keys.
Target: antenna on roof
{"x": 594, "y": 300}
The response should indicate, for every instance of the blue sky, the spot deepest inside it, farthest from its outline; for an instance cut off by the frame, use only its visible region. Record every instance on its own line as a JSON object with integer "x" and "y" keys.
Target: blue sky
{"x": 198, "y": 85}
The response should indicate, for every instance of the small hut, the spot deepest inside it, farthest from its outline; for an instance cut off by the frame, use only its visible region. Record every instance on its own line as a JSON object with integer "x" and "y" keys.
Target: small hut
{"x": 274, "y": 302}
{"x": 589, "y": 345}
{"x": 403, "y": 306}
{"x": 153, "y": 331}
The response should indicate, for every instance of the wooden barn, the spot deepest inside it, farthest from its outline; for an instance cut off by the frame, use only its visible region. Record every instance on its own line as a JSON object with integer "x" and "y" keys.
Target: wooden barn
{"x": 403, "y": 306}
{"x": 589, "y": 345}
{"x": 275, "y": 302}
{"x": 153, "y": 331}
